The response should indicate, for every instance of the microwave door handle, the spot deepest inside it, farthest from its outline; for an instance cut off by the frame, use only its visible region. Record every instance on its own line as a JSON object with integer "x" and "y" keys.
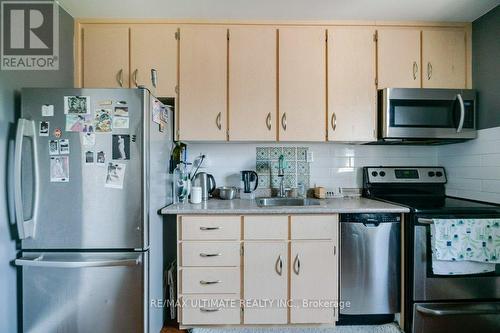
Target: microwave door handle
{"x": 462, "y": 113}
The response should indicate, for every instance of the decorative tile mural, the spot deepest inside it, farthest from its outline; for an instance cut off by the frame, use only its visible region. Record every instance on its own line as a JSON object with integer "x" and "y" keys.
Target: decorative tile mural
{"x": 296, "y": 171}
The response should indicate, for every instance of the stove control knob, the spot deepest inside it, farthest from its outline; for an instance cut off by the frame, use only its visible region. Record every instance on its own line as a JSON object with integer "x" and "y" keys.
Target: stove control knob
{"x": 374, "y": 173}
{"x": 431, "y": 174}
{"x": 439, "y": 174}
{"x": 382, "y": 173}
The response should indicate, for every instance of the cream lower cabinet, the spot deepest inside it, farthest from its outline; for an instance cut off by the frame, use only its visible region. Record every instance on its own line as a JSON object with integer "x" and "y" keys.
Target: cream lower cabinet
{"x": 229, "y": 277}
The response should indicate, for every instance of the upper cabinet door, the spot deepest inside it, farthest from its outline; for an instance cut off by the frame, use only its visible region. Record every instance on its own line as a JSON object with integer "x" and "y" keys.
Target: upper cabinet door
{"x": 203, "y": 83}
{"x": 252, "y": 84}
{"x": 443, "y": 59}
{"x": 351, "y": 84}
{"x": 302, "y": 84}
{"x": 154, "y": 47}
{"x": 398, "y": 58}
{"x": 105, "y": 56}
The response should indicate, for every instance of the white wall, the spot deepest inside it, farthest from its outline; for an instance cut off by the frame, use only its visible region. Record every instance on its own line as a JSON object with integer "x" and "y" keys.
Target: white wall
{"x": 473, "y": 167}
{"x": 335, "y": 165}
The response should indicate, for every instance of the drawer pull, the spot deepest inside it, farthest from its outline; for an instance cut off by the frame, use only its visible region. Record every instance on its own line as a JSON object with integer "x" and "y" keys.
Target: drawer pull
{"x": 205, "y": 255}
{"x": 210, "y": 282}
{"x": 209, "y": 309}
{"x": 210, "y": 228}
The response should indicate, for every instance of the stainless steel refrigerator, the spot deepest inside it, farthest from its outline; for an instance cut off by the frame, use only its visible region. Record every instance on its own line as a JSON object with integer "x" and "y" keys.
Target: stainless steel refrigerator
{"x": 91, "y": 173}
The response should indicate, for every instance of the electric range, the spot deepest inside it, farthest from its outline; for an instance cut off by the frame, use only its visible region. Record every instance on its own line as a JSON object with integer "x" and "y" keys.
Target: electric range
{"x": 432, "y": 302}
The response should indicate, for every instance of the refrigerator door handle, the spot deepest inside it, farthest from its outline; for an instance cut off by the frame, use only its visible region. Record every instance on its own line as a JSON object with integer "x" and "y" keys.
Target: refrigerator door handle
{"x": 25, "y": 228}
{"x": 39, "y": 262}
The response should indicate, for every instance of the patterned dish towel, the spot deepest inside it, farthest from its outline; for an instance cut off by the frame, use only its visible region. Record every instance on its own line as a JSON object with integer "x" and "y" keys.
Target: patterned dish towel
{"x": 473, "y": 244}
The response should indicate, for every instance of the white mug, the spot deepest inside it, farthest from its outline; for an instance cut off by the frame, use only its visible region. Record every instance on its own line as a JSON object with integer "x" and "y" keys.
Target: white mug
{"x": 195, "y": 195}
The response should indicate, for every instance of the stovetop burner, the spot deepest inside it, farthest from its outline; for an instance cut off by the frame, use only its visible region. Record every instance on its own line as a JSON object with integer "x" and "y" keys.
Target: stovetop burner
{"x": 441, "y": 204}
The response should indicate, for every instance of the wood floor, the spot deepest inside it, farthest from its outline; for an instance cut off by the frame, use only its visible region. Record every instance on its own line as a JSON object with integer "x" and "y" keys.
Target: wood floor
{"x": 172, "y": 329}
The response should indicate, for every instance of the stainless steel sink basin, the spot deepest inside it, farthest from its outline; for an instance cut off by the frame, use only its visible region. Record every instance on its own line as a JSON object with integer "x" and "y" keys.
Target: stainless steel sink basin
{"x": 294, "y": 202}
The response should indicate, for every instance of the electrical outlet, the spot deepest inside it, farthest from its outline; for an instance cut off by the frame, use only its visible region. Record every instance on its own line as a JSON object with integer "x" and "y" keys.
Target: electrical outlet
{"x": 310, "y": 156}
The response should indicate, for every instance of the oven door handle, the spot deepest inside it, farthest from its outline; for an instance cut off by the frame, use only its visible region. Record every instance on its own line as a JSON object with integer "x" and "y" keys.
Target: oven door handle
{"x": 457, "y": 311}
{"x": 462, "y": 113}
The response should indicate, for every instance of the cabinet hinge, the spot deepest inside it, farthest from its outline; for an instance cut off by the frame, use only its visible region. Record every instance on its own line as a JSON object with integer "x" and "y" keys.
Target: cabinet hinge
{"x": 227, "y": 134}
{"x": 241, "y": 250}
{"x": 376, "y": 81}
{"x": 334, "y": 250}
{"x": 227, "y": 35}
{"x": 177, "y": 89}
{"x": 178, "y": 133}
{"x": 177, "y": 35}
{"x": 375, "y": 36}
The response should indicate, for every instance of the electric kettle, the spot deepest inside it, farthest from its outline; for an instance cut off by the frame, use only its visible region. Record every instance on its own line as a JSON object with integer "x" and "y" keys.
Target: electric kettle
{"x": 206, "y": 182}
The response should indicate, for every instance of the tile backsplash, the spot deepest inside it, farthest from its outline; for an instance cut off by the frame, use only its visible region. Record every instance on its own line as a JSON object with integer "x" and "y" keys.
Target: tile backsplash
{"x": 334, "y": 165}
{"x": 296, "y": 167}
{"x": 473, "y": 167}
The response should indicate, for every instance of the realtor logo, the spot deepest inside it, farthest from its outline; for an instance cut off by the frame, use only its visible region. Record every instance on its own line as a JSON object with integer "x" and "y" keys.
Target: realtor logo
{"x": 30, "y": 35}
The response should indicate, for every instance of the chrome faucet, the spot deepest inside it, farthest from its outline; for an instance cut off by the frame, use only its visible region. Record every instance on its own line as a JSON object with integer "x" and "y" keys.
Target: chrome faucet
{"x": 281, "y": 175}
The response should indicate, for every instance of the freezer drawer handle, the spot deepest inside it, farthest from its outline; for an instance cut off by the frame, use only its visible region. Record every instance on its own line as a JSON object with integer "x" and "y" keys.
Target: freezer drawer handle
{"x": 205, "y": 255}
{"x": 39, "y": 262}
{"x": 25, "y": 228}
{"x": 455, "y": 312}
{"x": 210, "y": 282}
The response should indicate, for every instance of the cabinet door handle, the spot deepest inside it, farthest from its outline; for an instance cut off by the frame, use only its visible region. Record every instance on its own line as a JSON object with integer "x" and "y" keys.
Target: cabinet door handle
{"x": 209, "y": 228}
{"x": 209, "y": 309}
{"x": 429, "y": 71}
{"x": 154, "y": 77}
{"x": 134, "y": 77}
{"x": 268, "y": 121}
{"x": 119, "y": 77}
{"x": 415, "y": 70}
{"x": 296, "y": 265}
{"x": 279, "y": 266}
{"x": 283, "y": 121}
{"x": 218, "y": 121}
{"x": 210, "y": 282}
{"x": 206, "y": 255}
{"x": 333, "y": 121}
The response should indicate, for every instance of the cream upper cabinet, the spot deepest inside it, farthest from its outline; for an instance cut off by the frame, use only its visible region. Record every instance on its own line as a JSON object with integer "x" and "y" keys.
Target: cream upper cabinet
{"x": 105, "y": 56}
{"x": 398, "y": 55}
{"x": 252, "y": 84}
{"x": 154, "y": 47}
{"x": 313, "y": 278}
{"x": 265, "y": 277}
{"x": 302, "y": 84}
{"x": 352, "y": 93}
{"x": 203, "y": 83}
{"x": 443, "y": 59}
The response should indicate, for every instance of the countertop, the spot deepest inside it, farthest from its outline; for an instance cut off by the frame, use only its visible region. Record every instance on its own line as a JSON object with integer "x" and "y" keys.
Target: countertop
{"x": 238, "y": 206}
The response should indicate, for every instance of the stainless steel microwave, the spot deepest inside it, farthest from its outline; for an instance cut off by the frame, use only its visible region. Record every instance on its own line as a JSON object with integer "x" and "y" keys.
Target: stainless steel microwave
{"x": 413, "y": 114}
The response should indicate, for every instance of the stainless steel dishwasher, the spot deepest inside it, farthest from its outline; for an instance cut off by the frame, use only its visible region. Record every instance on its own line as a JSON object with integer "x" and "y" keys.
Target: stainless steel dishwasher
{"x": 370, "y": 263}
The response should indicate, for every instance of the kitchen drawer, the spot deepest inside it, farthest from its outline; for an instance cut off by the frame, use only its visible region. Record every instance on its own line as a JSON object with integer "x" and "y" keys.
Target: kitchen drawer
{"x": 214, "y": 227}
{"x": 210, "y": 280}
{"x": 210, "y": 310}
{"x": 210, "y": 253}
{"x": 314, "y": 226}
{"x": 265, "y": 227}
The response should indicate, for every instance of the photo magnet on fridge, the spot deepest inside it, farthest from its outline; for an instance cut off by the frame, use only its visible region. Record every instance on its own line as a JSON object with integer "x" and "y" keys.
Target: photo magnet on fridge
{"x": 121, "y": 147}
{"x": 79, "y": 123}
{"x": 102, "y": 120}
{"x": 101, "y": 158}
{"x": 87, "y": 139}
{"x": 115, "y": 175}
{"x": 43, "y": 129}
{"x": 121, "y": 111}
{"x": 59, "y": 169}
{"x": 120, "y": 122}
{"x": 64, "y": 146}
{"x": 76, "y": 104}
{"x": 53, "y": 147}
{"x": 47, "y": 110}
{"x": 89, "y": 157}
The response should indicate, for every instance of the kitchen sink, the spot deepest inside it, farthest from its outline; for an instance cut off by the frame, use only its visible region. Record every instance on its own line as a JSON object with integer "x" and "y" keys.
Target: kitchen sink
{"x": 277, "y": 202}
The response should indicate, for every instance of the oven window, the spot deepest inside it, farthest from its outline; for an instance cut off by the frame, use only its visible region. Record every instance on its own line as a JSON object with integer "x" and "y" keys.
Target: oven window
{"x": 422, "y": 113}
